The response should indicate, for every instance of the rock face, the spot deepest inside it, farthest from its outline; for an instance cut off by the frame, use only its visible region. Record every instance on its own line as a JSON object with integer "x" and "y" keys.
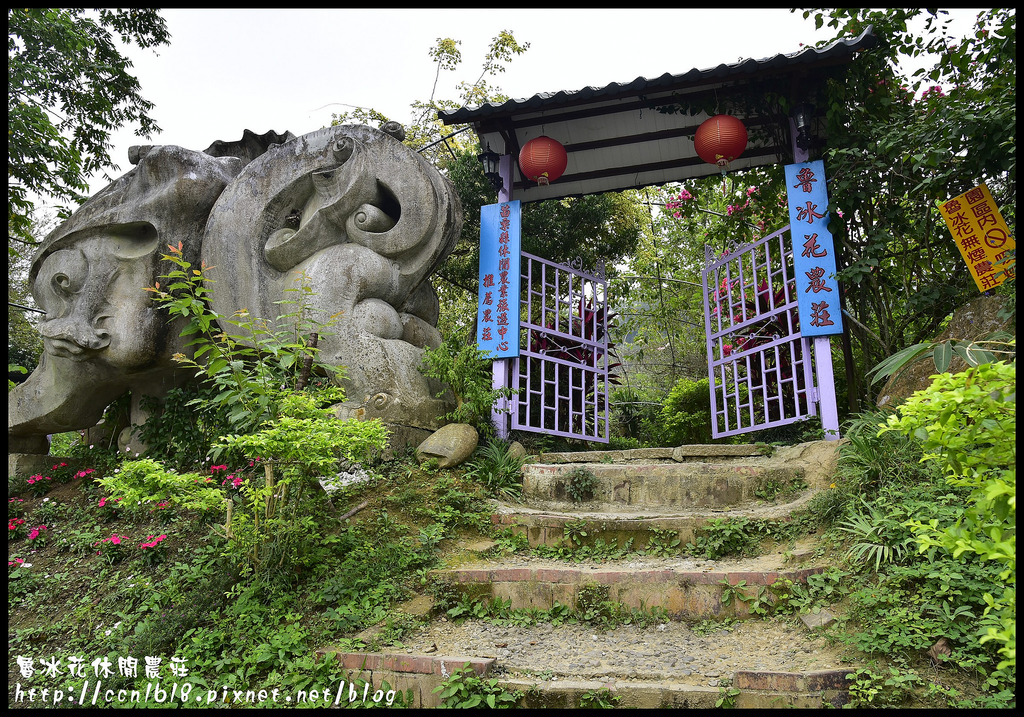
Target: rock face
{"x": 350, "y": 211}
{"x": 976, "y": 319}
{"x": 450, "y": 445}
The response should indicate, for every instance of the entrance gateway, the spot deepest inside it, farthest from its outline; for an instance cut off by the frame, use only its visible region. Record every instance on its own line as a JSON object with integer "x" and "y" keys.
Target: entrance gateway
{"x": 640, "y": 133}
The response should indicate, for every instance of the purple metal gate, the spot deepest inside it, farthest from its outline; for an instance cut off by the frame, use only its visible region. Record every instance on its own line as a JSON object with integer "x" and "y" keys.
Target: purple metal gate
{"x": 758, "y": 363}
{"x": 562, "y": 369}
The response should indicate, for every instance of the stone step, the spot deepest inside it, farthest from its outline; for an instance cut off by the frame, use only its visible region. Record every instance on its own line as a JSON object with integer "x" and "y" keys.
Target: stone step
{"x": 664, "y": 485}
{"x": 679, "y": 454}
{"x": 683, "y": 591}
{"x": 633, "y": 680}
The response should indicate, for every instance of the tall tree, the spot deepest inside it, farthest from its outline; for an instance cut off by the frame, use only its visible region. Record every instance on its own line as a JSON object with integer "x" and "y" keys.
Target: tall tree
{"x": 68, "y": 88}
{"x": 900, "y": 145}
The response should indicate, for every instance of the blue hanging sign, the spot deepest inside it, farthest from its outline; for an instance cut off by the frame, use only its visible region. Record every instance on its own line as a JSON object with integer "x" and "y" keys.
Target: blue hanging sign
{"x": 497, "y": 317}
{"x": 814, "y": 261}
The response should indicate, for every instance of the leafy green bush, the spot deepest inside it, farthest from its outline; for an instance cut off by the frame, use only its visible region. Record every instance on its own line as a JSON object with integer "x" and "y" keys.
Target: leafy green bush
{"x": 686, "y": 415}
{"x": 467, "y": 371}
{"x": 580, "y": 483}
{"x": 464, "y": 689}
{"x": 966, "y": 423}
{"x": 147, "y": 482}
{"x": 278, "y": 523}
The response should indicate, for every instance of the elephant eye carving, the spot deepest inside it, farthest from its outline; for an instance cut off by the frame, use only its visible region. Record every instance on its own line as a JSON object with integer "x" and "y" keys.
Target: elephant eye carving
{"x": 61, "y": 276}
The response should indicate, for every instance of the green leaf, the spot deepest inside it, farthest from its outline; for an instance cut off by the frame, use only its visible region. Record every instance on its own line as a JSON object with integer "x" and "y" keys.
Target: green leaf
{"x": 943, "y": 354}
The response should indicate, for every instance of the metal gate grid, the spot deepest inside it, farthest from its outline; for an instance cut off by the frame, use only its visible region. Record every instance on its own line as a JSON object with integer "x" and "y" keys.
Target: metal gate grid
{"x": 561, "y": 373}
{"x": 758, "y": 362}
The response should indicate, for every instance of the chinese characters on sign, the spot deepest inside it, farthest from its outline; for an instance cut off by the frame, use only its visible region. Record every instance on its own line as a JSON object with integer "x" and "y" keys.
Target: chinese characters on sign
{"x": 982, "y": 236}
{"x": 497, "y": 317}
{"x": 814, "y": 261}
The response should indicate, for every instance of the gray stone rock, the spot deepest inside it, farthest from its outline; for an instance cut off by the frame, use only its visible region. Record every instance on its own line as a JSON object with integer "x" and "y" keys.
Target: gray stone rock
{"x": 976, "y": 319}
{"x": 450, "y": 445}
{"x": 516, "y": 450}
{"x": 816, "y": 620}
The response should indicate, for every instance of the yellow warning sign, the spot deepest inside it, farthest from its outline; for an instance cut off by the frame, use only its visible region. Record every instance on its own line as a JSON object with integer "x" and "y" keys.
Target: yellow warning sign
{"x": 982, "y": 236}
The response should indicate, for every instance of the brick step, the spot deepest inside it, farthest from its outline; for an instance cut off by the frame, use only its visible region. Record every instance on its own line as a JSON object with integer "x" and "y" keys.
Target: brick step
{"x": 418, "y": 675}
{"x": 659, "y": 485}
{"x": 684, "y": 593}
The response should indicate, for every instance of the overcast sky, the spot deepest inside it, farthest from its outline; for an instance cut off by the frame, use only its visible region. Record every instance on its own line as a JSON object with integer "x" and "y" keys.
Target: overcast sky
{"x": 229, "y": 70}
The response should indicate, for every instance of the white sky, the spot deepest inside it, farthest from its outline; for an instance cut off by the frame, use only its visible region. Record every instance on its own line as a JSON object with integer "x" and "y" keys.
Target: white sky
{"x": 229, "y": 70}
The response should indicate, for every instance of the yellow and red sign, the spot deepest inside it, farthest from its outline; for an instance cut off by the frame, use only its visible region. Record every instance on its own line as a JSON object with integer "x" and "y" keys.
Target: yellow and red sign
{"x": 982, "y": 236}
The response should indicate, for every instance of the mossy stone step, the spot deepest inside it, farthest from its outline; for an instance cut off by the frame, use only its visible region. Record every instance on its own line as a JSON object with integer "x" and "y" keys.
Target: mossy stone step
{"x": 682, "y": 593}
{"x": 671, "y": 485}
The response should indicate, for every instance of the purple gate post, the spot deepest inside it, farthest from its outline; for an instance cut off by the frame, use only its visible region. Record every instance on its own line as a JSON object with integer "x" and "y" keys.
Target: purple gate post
{"x": 822, "y": 344}
{"x": 500, "y": 367}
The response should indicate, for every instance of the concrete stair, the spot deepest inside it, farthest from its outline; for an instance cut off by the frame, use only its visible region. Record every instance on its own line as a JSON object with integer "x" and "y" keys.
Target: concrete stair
{"x": 640, "y": 495}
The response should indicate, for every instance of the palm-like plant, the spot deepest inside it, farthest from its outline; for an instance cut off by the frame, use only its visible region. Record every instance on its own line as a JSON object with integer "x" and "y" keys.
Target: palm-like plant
{"x": 498, "y": 469}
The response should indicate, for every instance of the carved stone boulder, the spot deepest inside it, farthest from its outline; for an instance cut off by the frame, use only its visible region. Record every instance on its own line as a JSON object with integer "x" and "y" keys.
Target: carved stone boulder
{"x": 349, "y": 212}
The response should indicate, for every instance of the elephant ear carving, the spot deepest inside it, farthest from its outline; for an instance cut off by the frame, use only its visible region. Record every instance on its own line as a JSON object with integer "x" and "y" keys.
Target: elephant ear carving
{"x": 327, "y": 200}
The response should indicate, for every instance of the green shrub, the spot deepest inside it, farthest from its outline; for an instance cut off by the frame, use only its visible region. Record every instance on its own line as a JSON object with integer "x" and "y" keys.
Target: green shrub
{"x": 685, "y": 417}
{"x": 580, "y": 483}
{"x": 467, "y": 371}
{"x": 967, "y": 424}
{"x": 497, "y": 469}
{"x": 147, "y": 482}
{"x": 277, "y": 525}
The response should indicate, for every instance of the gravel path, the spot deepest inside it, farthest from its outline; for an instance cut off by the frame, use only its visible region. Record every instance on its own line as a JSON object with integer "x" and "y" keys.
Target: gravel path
{"x": 668, "y": 651}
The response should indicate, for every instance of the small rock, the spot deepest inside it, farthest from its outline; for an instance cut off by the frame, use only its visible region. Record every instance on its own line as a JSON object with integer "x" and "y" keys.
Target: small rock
{"x": 450, "y": 445}
{"x": 516, "y": 450}
{"x": 821, "y": 619}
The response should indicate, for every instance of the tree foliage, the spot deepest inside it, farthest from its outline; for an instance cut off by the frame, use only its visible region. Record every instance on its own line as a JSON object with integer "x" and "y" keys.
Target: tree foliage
{"x": 68, "y": 88}
{"x": 900, "y": 145}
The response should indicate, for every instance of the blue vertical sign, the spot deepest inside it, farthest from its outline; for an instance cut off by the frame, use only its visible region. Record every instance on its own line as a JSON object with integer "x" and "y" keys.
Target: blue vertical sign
{"x": 497, "y": 314}
{"x": 814, "y": 261}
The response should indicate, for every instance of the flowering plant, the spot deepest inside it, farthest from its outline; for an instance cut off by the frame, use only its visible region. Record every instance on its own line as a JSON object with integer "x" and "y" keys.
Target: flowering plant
{"x": 15, "y": 507}
{"x": 39, "y": 485}
{"x": 109, "y": 508}
{"x": 38, "y": 536}
{"x": 62, "y": 473}
{"x": 164, "y": 510}
{"x": 154, "y": 550}
{"x": 15, "y": 528}
{"x": 83, "y": 473}
{"x": 113, "y": 549}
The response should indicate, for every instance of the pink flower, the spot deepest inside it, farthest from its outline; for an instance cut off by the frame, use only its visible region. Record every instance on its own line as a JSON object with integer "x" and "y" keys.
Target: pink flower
{"x": 218, "y": 468}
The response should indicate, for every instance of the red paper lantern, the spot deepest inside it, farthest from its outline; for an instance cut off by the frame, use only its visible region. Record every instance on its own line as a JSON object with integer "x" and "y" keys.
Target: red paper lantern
{"x": 542, "y": 160}
{"x": 720, "y": 140}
